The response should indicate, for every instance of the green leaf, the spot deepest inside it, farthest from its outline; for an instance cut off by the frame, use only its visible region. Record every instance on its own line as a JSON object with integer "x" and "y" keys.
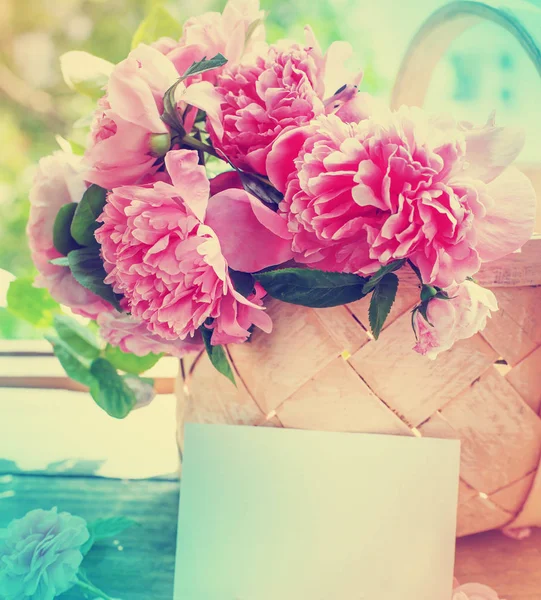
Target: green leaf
{"x": 78, "y": 337}
{"x": 310, "y": 287}
{"x": 242, "y": 282}
{"x": 30, "y": 303}
{"x": 130, "y": 363}
{"x": 204, "y": 65}
{"x": 109, "y": 391}
{"x": 260, "y": 189}
{"x": 158, "y": 23}
{"x": 416, "y": 270}
{"x": 379, "y": 275}
{"x": 87, "y": 211}
{"x": 170, "y": 115}
{"x": 62, "y": 261}
{"x": 75, "y": 368}
{"x": 85, "y": 73}
{"x": 62, "y": 239}
{"x": 87, "y": 268}
{"x": 142, "y": 387}
{"x": 217, "y": 355}
{"x": 102, "y": 529}
{"x": 381, "y": 302}
{"x": 107, "y": 528}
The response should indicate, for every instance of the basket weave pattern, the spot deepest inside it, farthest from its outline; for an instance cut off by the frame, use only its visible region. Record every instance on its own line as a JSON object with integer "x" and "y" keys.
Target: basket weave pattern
{"x": 321, "y": 369}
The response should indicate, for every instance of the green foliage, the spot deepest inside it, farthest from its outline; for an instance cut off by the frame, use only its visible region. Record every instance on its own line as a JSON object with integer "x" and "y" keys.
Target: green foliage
{"x": 217, "y": 355}
{"x": 242, "y": 282}
{"x": 130, "y": 363}
{"x": 381, "y": 302}
{"x": 62, "y": 238}
{"x": 310, "y": 287}
{"x": 110, "y": 391}
{"x": 379, "y": 275}
{"x": 75, "y": 368}
{"x": 31, "y": 304}
{"x": 78, "y": 337}
{"x": 170, "y": 114}
{"x": 87, "y": 268}
{"x": 87, "y": 211}
{"x": 260, "y": 189}
{"x": 204, "y": 65}
{"x": 102, "y": 529}
{"x": 158, "y": 23}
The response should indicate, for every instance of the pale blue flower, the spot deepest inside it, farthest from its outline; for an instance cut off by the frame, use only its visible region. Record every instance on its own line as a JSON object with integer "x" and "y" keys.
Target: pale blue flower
{"x": 40, "y": 555}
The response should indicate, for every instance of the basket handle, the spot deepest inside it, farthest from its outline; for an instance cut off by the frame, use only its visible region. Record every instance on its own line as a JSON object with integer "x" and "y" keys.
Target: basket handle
{"x": 521, "y": 19}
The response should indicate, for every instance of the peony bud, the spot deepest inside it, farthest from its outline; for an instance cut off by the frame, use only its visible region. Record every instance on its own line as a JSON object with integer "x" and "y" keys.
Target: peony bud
{"x": 160, "y": 143}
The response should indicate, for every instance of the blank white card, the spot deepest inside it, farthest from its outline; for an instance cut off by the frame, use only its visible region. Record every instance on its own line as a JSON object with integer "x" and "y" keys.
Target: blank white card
{"x": 277, "y": 514}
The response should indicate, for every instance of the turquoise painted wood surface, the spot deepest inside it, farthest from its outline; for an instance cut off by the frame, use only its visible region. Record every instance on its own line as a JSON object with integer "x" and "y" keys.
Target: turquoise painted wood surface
{"x": 140, "y": 566}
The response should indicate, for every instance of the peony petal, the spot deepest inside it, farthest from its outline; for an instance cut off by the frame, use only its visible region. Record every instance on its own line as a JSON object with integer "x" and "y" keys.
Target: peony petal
{"x": 490, "y": 150}
{"x": 183, "y": 57}
{"x": 510, "y": 222}
{"x": 132, "y": 89}
{"x": 189, "y": 179}
{"x": 336, "y": 72}
{"x": 225, "y": 181}
{"x": 252, "y": 236}
{"x": 204, "y": 96}
{"x": 280, "y": 161}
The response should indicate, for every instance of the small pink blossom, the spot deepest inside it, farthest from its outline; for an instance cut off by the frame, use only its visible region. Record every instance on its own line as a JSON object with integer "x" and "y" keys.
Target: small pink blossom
{"x": 402, "y": 185}
{"x": 517, "y": 533}
{"x": 168, "y": 263}
{"x": 280, "y": 90}
{"x": 58, "y": 181}
{"x": 474, "y": 591}
{"x": 131, "y": 335}
{"x": 128, "y": 117}
{"x": 459, "y": 318}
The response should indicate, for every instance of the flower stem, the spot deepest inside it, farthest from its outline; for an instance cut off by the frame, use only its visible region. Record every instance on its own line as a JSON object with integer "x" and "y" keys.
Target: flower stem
{"x": 200, "y": 146}
{"x": 196, "y": 144}
{"x": 88, "y": 587}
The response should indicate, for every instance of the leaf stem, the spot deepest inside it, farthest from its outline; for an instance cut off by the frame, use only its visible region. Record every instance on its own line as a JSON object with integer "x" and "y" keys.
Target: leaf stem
{"x": 88, "y": 587}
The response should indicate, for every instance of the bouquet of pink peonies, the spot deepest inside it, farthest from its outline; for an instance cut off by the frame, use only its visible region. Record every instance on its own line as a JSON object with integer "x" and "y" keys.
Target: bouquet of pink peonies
{"x": 221, "y": 170}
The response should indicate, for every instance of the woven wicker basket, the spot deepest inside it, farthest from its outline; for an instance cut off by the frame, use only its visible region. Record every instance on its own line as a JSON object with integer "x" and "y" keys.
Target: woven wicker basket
{"x": 321, "y": 369}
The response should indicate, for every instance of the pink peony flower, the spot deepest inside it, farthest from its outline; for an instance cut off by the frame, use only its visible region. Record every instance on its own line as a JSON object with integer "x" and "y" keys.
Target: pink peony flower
{"x": 58, "y": 181}
{"x": 128, "y": 136}
{"x": 280, "y": 90}
{"x": 169, "y": 264}
{"x": 131, "y": 335}
{"x": 361, "y": 195}
{"x": 459, "y": 318}
{"x": 474, "y": 591}
{"x": 232, "y": 33}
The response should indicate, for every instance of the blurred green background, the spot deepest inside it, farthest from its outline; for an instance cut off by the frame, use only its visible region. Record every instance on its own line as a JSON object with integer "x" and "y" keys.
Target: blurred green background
{"x": 485, "y": 69}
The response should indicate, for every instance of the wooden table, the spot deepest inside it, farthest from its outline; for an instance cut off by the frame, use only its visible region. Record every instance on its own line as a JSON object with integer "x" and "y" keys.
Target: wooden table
{"x": 144, "y": 568}
{"x": 140, "y": 566}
